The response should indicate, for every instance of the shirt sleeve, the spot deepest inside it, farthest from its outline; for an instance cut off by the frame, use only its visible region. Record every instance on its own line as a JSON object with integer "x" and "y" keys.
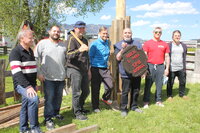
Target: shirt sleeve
{"x": 16, "y": 65}
{"x": 92, "y": 52}
{"x": 72, "y": 49}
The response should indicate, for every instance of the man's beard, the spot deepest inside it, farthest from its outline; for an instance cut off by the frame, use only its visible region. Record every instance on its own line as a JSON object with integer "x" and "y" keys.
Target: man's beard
{"x": 55, "y": 38}
{"x": 127, "y": 39}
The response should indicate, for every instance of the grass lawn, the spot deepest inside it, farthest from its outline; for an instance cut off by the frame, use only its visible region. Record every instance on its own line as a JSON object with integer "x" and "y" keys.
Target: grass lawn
{"x": 178, "y": 116}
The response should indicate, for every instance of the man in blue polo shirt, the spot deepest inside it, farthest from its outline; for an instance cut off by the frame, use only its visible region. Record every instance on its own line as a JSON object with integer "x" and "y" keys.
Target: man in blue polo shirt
{"x": 99, "y": 53}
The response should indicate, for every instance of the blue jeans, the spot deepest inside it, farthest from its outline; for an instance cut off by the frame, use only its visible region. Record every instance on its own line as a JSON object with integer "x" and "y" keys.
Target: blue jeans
{"x": 29, "y": 110}
{"x": 53, "y": 91}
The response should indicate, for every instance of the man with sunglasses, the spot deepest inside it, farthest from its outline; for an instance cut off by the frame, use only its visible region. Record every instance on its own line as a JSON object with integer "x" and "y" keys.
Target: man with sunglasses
{"x": 157, "y": 52}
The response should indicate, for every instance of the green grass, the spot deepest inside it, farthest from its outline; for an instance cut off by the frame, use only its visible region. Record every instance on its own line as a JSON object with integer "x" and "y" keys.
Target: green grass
{"x": 178, "y": 116}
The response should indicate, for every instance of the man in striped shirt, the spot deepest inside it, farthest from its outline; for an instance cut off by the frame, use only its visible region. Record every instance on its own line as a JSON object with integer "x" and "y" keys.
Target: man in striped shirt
{"x": 24, "y": 73}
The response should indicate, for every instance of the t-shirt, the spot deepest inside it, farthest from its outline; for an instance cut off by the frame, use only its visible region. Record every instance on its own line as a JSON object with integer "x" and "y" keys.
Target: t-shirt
{"x": 176, "y": 57}
{"x": 156, "y": 51}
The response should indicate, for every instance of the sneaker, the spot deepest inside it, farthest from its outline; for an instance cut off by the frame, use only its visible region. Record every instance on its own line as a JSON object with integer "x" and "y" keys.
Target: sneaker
{"x": 81, "y": 117}
{"x": 124, "y": 113}
{"x": 138, "y": 110}
{"x": 36, "y": 130}
{"x": 50, "y": 125}
{"x": 85, "y": 111}
{"x": 146, "y": 106}
{"x": 97, "y": 110}
{"x": 106, "y": 101}
{"x": 169, "y": 99}
{"x": 27, "y": 131}
{"x": 59, "y": 117}
{"x": 185, "y": 97}
{"x": 160, "y": 104}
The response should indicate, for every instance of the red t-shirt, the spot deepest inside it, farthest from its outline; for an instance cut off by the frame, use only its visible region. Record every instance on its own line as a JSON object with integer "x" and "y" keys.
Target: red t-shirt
{"x": 156, "y": 51}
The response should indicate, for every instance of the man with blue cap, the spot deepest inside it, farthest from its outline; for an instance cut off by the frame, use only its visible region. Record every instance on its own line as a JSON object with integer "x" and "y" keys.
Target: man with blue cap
{"x": 77, "y": 69}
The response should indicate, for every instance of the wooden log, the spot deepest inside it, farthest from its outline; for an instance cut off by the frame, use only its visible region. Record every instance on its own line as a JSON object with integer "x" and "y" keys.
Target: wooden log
{"x": 10, "y": 107}
{"x": 64, "y": 129}
{"x": 13, "y": 113}
{"x": 87, "y": 129}
{"x": 15, "y": 121}
{"x": 2, "y": 81}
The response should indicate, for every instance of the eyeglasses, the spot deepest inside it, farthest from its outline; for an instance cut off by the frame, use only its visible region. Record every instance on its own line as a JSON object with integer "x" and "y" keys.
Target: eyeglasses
{"x": 156, "y": 32}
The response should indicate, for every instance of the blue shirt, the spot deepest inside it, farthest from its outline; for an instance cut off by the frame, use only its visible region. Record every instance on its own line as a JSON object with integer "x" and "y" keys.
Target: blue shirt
{"x": 99, "y": 53}
{"x": 118, "y": 47}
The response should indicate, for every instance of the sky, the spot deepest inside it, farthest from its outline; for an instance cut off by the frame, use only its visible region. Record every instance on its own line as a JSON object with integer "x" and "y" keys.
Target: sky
{"x": 183, "y": 15}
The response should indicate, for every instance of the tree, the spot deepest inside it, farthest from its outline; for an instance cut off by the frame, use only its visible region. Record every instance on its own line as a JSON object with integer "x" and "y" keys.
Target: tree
{"x": 41, "y": 13}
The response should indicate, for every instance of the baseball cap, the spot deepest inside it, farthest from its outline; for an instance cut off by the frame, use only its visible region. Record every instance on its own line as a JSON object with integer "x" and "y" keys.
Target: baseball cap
{"x": 79, "y": 24}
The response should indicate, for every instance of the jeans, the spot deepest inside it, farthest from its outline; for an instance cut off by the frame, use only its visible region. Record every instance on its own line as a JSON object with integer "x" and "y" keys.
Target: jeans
{"x": 53, "y": 91}
{"x": 155, "y": 75}
{"x": 29, "y": 110}
{"x": 80, "y": 89}
{"x": 130, "y": 85}
{"x": 182, "y": 81}
{"x": 100, "y": 75}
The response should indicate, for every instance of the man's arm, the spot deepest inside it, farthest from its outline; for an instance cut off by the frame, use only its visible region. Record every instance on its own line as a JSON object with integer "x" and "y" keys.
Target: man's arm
{"x": 167, "y": 62}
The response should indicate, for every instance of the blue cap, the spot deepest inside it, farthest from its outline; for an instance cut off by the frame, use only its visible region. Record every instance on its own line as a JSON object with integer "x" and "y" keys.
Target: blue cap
{"x": 79, "y": 24}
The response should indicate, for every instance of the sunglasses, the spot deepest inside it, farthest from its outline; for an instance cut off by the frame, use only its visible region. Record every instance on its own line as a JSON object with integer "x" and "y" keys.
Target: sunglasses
{"x": 156, "y": 32}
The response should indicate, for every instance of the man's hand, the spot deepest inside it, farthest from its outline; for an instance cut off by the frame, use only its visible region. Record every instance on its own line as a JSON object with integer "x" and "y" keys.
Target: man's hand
{"x": 166, "y": 72}
{"x": 124, "y": 45}
{"x": 31, "y": 92}
{"x": 41, "y": 77}
{"x": 83, "y": 48}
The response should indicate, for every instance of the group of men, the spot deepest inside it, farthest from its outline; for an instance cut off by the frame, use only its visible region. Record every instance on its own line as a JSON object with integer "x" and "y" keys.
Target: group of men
{"x": 53, "y": 60}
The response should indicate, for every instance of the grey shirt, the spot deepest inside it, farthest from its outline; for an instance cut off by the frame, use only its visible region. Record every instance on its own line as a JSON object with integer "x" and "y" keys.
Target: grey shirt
{"x": 51, "y": 59}
{"x": 176, "y": 57}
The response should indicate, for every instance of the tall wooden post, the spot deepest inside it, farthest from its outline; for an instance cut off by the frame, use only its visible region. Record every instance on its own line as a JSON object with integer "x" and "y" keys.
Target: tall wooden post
{"x": 2, "y": 81}
{"x": 122, "y": 21}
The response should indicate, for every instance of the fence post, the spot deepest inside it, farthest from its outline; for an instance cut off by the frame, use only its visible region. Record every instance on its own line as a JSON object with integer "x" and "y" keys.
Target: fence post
{"x": 2, "y": 81}
{"x": 197, "y": 62}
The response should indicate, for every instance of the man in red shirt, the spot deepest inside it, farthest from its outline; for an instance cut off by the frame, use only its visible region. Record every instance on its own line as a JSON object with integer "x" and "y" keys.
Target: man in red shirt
{"x": 157, "y": 52}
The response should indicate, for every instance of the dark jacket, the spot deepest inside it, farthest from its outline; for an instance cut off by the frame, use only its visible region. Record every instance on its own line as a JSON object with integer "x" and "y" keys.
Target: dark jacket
{"x": 184, "y": 53}
{"x": 23, "y": 67}
{"x": 117, "y": 48}
{"x": 75, "y": 59}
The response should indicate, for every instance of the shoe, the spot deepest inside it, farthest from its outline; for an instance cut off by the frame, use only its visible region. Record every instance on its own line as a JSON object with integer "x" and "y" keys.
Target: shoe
{"x": 97, "y": 110}
{"x": 138, "y": 110}
{"x": 59, "y": 117}
{"x": 185, "y": 97}
{"x": 36, "y": 130}
{"x": 27, "y": 131}
{"x": 160, "y": 104}
{"x": 49, "y": 125}
{"x": 124, "y": 113}
{"x": 81, "y": 117}
{"x": 146, "y": 106}
{"x": 85, "y": 111}
{"x": 106, "y": 101}
{"x": 169, "y": 99}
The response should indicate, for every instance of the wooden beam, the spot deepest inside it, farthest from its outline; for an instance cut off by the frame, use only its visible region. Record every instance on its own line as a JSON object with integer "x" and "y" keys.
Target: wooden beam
{"x": 2, "y": 81}
{"x": 87, "y": 129}
{"x": 64, "y": 129}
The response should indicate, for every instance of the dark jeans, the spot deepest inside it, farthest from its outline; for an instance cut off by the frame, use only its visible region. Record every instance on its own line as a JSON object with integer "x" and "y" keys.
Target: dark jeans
{"x": 29, "y": 110}
{"x": 182, "y": 81}
{"x": 155, "y": 75}
{"x": 100, "y": 75}
{"x": 53, "y": 91}
{"x": 133, "y": 85}
{"x": 80, "y": 89}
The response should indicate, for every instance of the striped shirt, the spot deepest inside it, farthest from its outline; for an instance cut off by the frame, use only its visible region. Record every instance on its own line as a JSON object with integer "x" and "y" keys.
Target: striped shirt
{"x": 23, "y": 67}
